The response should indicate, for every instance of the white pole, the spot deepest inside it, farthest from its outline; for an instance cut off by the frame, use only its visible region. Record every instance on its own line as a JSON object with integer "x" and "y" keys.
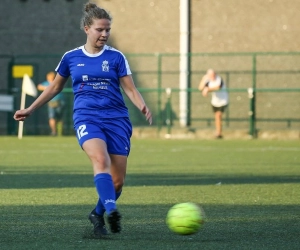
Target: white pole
{"x": 22, "y": 106}
{"x": 184, "y": 49}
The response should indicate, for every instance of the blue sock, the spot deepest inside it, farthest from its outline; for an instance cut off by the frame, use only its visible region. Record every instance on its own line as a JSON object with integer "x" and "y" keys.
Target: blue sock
{"x": 106, "y": 191}
{"x": 118, "y": 194}
{"x": 100, "y": 209}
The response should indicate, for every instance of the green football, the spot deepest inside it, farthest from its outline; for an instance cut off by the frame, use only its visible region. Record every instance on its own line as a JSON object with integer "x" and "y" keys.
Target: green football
{"x": 185, "y": 218}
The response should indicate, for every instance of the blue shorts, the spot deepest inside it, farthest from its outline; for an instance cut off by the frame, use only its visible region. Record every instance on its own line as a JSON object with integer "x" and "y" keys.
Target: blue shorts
{"x": 115, "y": 132}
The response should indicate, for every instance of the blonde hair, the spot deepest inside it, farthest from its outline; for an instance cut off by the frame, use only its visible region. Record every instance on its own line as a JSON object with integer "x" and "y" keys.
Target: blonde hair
{"x": 90, "y": 12}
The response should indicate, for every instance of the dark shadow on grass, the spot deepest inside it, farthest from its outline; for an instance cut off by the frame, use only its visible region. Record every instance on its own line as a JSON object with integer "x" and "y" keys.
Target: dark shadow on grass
{"x": 45, "y": 180}
{"x": 204, "y": 179}
{"x": 226, "y": 227}
{"x": 29, "y": 180}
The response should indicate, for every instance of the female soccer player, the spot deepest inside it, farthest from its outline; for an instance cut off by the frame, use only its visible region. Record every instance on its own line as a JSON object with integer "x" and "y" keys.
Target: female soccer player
{"x": 101, "y": 119}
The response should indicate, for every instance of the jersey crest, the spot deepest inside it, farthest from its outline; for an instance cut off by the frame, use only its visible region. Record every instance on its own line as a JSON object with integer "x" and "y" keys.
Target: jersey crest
{"x": 105, "y": 66}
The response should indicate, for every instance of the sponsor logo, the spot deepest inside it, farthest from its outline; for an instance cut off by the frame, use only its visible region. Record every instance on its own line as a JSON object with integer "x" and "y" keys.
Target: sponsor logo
{"x": 80, "y": 64}
{"x": 85, "y": 78}
{"x": 98, "y": 85}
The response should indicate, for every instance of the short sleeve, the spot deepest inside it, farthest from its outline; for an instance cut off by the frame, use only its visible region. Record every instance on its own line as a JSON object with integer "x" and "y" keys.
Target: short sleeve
{"x": 123, "y": 69}
{"x": 63, "y": 67}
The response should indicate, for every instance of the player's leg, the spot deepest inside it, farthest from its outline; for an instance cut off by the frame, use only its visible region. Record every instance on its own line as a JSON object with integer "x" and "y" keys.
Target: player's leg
{"x": 52, "y": 124}
{"x": 118, "y": 171}
{"x": 218, "y": 123}
{"x": 52, "y": 121}
{"x": 59, "y": 127}
{"x": 93, "y": 141}
{"x": 59, "y": 119}
{"x": 96, "y": 150}
{"x": 118, "y": 133}
{"x": 118, "y": 146}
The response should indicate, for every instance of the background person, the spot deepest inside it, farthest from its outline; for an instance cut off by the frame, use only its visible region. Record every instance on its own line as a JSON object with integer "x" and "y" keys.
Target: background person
{"x": 101, "y": 119}
{"x": 211, "y": 82}
{"x": 55, "y": 106}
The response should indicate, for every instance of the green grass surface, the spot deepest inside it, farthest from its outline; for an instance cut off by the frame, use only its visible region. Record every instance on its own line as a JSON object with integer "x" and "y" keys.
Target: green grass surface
{"x": 249, "y": 190}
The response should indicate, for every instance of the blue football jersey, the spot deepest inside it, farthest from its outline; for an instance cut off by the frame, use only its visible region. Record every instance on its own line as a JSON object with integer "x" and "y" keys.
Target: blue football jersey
{"x": 96, "y": 84}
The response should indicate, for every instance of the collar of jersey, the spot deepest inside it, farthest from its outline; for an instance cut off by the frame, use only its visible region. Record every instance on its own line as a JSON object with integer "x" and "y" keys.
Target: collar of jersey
{"x": 92, "y": 55}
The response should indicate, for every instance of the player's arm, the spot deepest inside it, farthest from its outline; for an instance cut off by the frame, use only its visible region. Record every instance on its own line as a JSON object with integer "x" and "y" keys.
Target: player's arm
{"x": 135, "y": 96}
{"x": 52, "y": 90}
{"x": 203, "y": 83}
{"x": 216, "y": 88}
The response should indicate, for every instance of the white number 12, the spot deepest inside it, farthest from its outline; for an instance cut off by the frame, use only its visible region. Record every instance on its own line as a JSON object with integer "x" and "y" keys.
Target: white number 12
{"x": 81, "y": 131}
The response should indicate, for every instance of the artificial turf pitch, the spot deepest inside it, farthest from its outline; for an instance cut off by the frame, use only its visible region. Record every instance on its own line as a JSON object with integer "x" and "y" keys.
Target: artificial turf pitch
{"x": 249, "y": 190}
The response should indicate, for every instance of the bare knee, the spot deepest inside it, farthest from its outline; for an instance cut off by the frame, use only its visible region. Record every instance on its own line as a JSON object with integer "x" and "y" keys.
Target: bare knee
{"x": 96, "y": 151}
{"x": 101, "y": 163}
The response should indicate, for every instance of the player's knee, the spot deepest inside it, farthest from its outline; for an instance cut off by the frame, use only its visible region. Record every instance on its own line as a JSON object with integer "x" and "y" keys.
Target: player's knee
{"x": 100, "y": 163}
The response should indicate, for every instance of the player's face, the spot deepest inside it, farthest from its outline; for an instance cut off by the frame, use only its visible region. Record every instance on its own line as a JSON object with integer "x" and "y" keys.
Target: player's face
{"x": 98, "y": 33}
{"x": 211, "y": 75}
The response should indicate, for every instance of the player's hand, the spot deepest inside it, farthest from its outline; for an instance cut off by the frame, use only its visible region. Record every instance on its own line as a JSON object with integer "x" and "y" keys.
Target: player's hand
{"x": 146, "y": 111}
{"x": 205, "y": 91}
{"x": 21, "y": 115}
